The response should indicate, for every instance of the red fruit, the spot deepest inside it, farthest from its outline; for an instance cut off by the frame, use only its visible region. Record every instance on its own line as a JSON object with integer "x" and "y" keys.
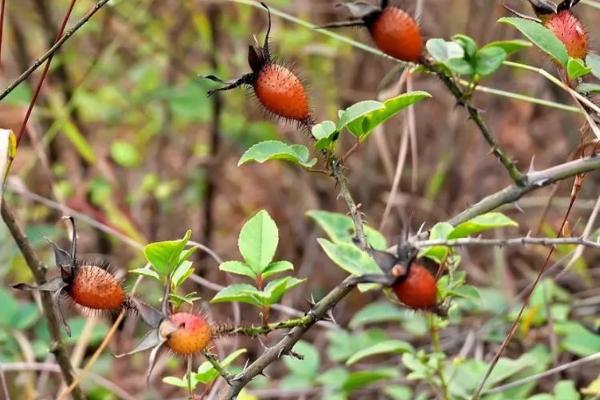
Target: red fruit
{"x": 96, "y": 288}
{"x": 192, "y": 334}
{"x": 569, "y": 30}
{"x": 282, "y": 93}
{"x": 418, "y": 290}
{"x": 397, "y": 34}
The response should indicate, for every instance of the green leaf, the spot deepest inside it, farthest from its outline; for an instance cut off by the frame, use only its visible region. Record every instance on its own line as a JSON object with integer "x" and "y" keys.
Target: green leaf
{"x": 467, "y": 43}
{"x": 460, "y": 66}
{"x": 343, "y": 344}
{"x": 398, "y": 392}
{"x": 481, "y": 223}
{"x": 326, "y": 133}
{"x": 125, "y": 154}
{"x": 350, "y": 258}
{"x": 361, "y": 126}
{"x": 442, "y": 50}
{"x": 540, "y": 36}
{"x": 357, "y": 380}
{"x": 181, "y": 383}
{"x": 593, "y": 61}
{"x": 509, "y": 46}
{"x": 165, "y": 256}
{"x": 340, "y": 228}
{"x": 588, "y": 88}
{"x": 276, "y": 268}
{"x": 566, "y": 390}
{"x": 576, "y": 68}
{"x": 488, "y": 60}
{"x": 357, "y": 111}
{"x": 207, "y": 373}
{"x": 274, "y": 290}
{"x": 146, "y": 271}
{"x": 238, "y": 267}
{"x": 276, "y": 150}
{"x": 181, "y": 273}
{"x": 440, "y": 231}
{"x": 309, "y": 366}
{"x": 389, "y": 346}
{"x": 258, "y": 241}
{"x": 241, "y": 292}
{"x": 577, "y": 339}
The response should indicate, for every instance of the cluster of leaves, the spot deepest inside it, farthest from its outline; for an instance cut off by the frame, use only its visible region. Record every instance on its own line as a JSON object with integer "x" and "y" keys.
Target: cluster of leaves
{"x": 462, "y": 56}
{"x": 360, "y": 120}
{"x": 257, "y": 243}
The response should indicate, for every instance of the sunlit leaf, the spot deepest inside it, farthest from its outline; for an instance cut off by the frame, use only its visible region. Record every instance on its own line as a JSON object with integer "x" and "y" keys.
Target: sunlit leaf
{"x": 276, "y": 150}
{"x": 389, "y": 346}
{"x": 350, "y": 258}
{"x": 258, "y": 241}
{"x": 340, "y": 228}
{"x": 481, "y": 223}
{"x": 540, "y": 36}
{"x": 576, "y": 68}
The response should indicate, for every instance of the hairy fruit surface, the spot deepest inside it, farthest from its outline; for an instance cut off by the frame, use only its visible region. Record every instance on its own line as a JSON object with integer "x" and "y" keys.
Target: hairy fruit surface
{"x": 96, "y": 288}
{"x": 418, "y": 289}
{"x": 569, "y": 30}
{"x": 192, "y": 333}
{"x": 282, "y": 93}
{"x": 397, "y": 34}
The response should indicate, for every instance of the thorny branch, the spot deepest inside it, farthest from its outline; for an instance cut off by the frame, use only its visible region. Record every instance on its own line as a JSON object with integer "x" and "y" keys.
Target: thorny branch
{"x": 254, "y": 331}
{"x": 37, "y": 63}
{"x": 519, "y": 241}
{"x": 475, "y": 115}
{"x": 38, "y": 270}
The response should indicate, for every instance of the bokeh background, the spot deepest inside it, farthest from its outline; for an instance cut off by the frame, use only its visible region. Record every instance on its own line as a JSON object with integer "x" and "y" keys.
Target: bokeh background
{"x": 125, "y": 138}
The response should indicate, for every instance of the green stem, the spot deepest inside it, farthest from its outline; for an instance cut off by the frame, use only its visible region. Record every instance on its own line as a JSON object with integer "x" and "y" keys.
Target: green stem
{"x": 253, "y": 331}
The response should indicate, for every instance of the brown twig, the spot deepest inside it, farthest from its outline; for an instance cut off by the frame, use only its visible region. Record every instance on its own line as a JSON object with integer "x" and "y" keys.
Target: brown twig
{"x": 50, "y": 52}
{"x": 38, "y": 269}
{"x": 519, "y": 241}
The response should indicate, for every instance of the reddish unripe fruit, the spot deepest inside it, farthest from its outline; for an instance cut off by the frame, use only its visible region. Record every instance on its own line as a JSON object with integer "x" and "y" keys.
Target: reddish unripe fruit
{"x": 282, "y": 93}
{"x": 418, "y": 290}
{"x": 397, "y": 34}
{"x": 193, "y": 334}
{"x": 569, "y": 30}
{"x": 94, "y": 287}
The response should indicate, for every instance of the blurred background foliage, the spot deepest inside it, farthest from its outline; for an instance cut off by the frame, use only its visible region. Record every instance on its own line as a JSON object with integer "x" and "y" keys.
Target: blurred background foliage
{"x": 125, "y": 135}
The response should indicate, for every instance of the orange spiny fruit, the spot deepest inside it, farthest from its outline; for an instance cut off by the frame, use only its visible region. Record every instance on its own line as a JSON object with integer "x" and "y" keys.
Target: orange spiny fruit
{"x": 277, "y": 88}
{"x": 417, "y": 290}
{"x": 569, "y": 30}
{"x": 397, "y": 34}
{"x": 282, "y": 93}
{"x": 192, "y": 334}
{"x": 96, "y": 288}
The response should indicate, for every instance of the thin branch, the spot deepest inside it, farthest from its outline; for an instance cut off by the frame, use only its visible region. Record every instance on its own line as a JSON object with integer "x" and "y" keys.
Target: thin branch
{"x": 475, "y": 115}
{"x": 532, "y": 181}
{"x": 214, "y": 361}
{"x": 520, "y": 241}
{"x": 38, "y": 270}
{"x": 37, "y": 63}
{"x": 254, "y": 331}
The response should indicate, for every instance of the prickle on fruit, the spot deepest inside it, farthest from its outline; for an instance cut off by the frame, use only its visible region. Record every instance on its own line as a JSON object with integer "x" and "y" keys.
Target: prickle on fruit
{"x": 277, "y": 88}
{"x": 392, "y": 29}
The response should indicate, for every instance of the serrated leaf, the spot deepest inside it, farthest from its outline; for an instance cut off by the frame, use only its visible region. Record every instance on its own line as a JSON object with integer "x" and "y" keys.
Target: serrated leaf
{"x": 238, "y": 267}
{"x": 258, "y": 241}
{"x": 439, "y": 231}
{"x": 593, "y": 61}
{"x": 576, "y": 68}
{"x": 165, "y": 256}
{"x": 276, "y": 268}
{"x": 363, "y": 125}
{"x": 442, "y": 50}
{"x": 350, "y": 258}
{"x": 276, "y": 150}
{"x": 241, "y": 292}
{"x": 489, "y": 60}
{"x": 542, "y": 37}
{"x": 181, "y": 273}
{"x": 509, "y": 46}
{"x": 389, "y": 346}
{"x": 340, "y": 228}
{"x": 357, "y": 111}
{"x": 481, "y": 223}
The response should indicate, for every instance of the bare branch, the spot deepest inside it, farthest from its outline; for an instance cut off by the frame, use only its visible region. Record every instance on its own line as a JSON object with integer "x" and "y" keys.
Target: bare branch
{"x": 519, "y": 241}
{"x": 37, "y": 63}
{"x": 38, "y": 270}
